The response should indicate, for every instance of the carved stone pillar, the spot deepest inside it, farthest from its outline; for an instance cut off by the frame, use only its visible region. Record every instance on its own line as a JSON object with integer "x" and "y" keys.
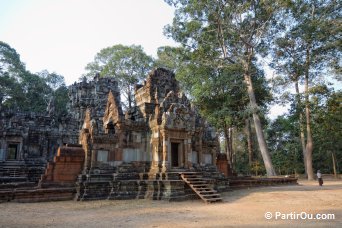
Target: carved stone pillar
{"x": 189, "y": 160}
{"x": 165, "y": 163}
{"x": 200, "y": 151}
{"x": 155, "y": 148}
{"x": 121, "y": 137}
{"x": 85, "y": 141}
{"x": 187, "y": 146}
{"x": 214, "y": 155}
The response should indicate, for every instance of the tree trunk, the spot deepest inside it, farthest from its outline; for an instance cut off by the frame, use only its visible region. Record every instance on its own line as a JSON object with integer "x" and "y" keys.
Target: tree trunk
{"x": 301, "y": 127}
{"x": 232, "y": 152}
{"x": 309, "y": 140}
{"x": 249, "y": 141}
{"x": 334, "y": 164}
{"x": 228, "y": 147}
{"x": 129, "y": 99}
{"x": 257, "y": 123}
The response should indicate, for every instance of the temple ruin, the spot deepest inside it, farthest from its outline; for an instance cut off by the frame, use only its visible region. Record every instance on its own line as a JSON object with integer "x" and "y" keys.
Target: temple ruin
{"x": 159, "y": 149}
{"x": 163, "y": 128}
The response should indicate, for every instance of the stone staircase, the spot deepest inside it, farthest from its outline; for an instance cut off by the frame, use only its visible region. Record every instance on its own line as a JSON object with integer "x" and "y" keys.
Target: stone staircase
{"x": 93, "y": 186}
{"x": 134, "y": 180}
{"x": 210, "y": 172}
{"x": 201, "y": 187}
{"x": 14, "y": 172}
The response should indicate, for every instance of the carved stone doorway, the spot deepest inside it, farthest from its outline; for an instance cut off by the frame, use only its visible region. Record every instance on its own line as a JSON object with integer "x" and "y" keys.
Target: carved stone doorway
{"x": 174, "y": 154}
{"x": 12, "y": 152}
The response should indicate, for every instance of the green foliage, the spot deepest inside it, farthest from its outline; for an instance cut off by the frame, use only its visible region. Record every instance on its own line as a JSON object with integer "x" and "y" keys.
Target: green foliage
{"x": 23, "y": 90}
{"x": 307, "y": 31}
{"x": 36, "y": 92}
{"x": 327, "y": 125}
{"x": 241, "y": 166}
{"x": 213, "y": 77}
{"x": 221, "y": 38}
{"x": 11, "y": 72}
{"x": 307, "y": 47}
{"x": 53, "y": 80}
{"x": 170, "y": 58}
{"x": 10, "y": 64}
{"x": 283, "y": 138}
{"x": 61, "y": 99}
{"x": 257, "y": 168}
{"x": 128, "y": 64}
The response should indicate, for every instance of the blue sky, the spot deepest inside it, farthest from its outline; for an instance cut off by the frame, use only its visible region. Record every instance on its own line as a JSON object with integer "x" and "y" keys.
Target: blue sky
{"x": 64, "y": 35}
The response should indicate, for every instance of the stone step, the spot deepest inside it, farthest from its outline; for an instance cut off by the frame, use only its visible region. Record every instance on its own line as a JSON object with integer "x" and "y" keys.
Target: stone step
{"x": 211, "y": 195}
{"x": 17, "y": 185}
{"x": 198, "y": 182}
{"x": 37, "y": 195}
{"x": 200, "y": 185}
{"x": 213, "y": 200}
{"x": 202, "y": 188}
{"x": 11, "y": 179}
{"x": 193, "y": 176}
{"x": 206, "y": 191}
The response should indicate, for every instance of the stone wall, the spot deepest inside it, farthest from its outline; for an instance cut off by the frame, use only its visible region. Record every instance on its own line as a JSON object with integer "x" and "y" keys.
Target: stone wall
{"x": 65, "y": 167}
{"x": 164, "y": 128}
{"x": 28, "y": 135}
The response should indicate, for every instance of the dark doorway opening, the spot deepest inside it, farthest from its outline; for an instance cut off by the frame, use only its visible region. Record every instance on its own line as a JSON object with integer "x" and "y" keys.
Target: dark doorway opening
{"x": 12, "y": 152}
{"x": 174, "y": 154}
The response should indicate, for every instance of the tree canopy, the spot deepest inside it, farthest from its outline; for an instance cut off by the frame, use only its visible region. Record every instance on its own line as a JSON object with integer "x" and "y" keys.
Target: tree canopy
{"x": 221, "y": 34}
{"x": 306, "y": 49}
{"x": 128, "y": 64}
{"x": 22, "y": 90}
{"x": 217, "y": 62}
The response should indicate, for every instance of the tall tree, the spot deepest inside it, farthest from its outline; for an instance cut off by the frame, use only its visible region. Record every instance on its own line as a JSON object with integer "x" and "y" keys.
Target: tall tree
{"x": 218, "y": 94}
{"x": 221, "y": 33}
{"x": 21, "y": 89}
{"x": 11, "y": 72}
{"x": 171, "y": 58}
{"x": 310, "y": 43}
{"x": 53, "y": 79}
{"x": 283, "y": 134}
{"x": 128, "y": 64}
{"x": 288, "y": 62}
{"x": 326, "y": 106}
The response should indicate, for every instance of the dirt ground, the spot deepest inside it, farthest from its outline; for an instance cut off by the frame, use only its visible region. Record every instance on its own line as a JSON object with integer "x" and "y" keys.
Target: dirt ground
{"x": 240, "y": 208}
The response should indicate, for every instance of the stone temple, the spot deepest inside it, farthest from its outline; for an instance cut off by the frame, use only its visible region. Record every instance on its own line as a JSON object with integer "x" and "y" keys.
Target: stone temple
{"x": 163, "y": 128}
{"x": 159, "y": 149}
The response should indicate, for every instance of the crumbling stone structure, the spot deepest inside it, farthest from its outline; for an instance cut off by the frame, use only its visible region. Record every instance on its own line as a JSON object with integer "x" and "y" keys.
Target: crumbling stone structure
{"x": 106, "y": 153}
{"x": 64, "y": 168}
{"x": 27, "y": 135}
{"x": 133, "y": 154}
{"x": 147, "y": 146}
{"x": 28, "y": 140}
{"x": 164, "y": 128}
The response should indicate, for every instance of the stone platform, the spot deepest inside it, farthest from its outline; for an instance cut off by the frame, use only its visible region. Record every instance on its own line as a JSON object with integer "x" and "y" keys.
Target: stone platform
{"x": 29, "y": 170}
{"x": 64, "y": 168}
{"x": 31, "y": 195}
{"x": 133, "y": 181}
{"x": 247, "y": 182}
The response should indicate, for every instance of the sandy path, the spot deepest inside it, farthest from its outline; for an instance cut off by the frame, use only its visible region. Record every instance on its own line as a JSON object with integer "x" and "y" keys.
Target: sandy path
{"x": 240, "y": 208}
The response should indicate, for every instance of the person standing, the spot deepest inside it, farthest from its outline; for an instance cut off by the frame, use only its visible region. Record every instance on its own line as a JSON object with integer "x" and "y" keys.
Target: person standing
{"x": 319, "y": 176}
